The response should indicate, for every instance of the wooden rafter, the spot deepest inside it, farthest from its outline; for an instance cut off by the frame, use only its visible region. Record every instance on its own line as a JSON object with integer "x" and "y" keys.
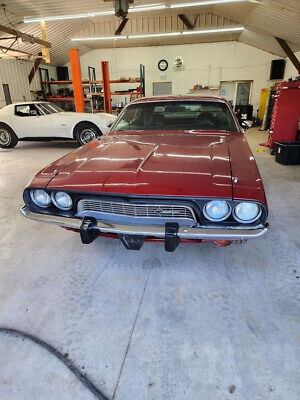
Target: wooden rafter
{"x": 45, "y": 49}
{"x": 8, "y": 49}
{"x": 24, "y": 36}
{"x": 121, "y": 26}
{"x": 35, "y": 68}
{"x": 186, "y": 21}
{"x": 289, "y": 52}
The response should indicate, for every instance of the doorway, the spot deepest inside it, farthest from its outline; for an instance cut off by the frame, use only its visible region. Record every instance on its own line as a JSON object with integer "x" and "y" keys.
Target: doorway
{"x": 6, "y": 92}
{"x": 236, "y": 92}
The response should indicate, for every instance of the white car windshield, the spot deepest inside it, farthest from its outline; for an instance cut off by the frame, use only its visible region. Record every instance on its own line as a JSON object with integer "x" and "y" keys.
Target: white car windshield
{"x": 48, "y": 108}
{"x": 176, "y": 115}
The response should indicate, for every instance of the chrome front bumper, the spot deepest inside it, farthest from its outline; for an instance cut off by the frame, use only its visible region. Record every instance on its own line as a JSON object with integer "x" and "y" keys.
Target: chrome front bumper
{"x": 150, "y": 230}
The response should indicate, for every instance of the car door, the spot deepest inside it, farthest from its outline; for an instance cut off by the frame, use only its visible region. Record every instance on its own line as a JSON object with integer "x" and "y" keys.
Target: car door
{"x": 30, "y": 121}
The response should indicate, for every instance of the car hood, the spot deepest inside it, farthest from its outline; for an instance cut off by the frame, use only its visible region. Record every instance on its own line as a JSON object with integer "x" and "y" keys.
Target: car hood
{"x": 179, "y": 164}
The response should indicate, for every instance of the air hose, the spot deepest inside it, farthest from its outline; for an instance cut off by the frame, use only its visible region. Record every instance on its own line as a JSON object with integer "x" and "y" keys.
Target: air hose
{"x": 63, "y": 358}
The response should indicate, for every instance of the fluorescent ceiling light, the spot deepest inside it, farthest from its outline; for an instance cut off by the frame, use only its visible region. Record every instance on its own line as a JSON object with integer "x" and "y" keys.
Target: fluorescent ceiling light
{"x": 166, "y": 34}
{"x": 142, "y": 8}
{"x": 217, "y": 30}
{"x": 208, "y": 3}
{"x": 149, "y": 7}
{"x": 154, "y": 35}
{"x": 99, "y": 38}
{"x": 63, "y": 17}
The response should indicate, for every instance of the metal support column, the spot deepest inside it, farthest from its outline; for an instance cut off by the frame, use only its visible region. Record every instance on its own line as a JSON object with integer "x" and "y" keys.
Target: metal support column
{"x": 106, "y": 86}
{"x": 142, "y": 80}
{"x": 77, "y": 80}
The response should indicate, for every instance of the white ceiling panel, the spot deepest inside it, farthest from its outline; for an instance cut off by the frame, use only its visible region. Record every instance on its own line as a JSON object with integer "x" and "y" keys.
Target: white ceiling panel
{"x": 262, "y": 20}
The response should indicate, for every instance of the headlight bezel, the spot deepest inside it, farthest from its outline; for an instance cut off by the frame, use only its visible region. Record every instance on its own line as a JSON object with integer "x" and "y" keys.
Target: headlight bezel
{"x": 31, "y": 193}
{"x": 208, "y": 217}
{"x": 54, "y": 201}
{"x": 250, "y": 221}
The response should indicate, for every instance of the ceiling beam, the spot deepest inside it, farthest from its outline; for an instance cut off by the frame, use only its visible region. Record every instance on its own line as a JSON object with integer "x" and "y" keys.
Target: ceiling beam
{"x": 121, "y": 26}
{"x": 24, "y": 36}
{"x": 14, "y": 50}
{"x": 34, "y": 68}
{"x": 186, "y": 21}
{"x": 45, "y": 49}
{"x": 289, "y": 52}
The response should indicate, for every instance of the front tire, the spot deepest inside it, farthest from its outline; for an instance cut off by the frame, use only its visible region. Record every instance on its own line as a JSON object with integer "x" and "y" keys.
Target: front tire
{"x": 8, "y": 138}
{"x": 86, "y": 133}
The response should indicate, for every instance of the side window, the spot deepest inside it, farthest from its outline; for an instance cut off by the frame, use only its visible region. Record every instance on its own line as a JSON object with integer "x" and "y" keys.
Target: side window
{"x": 23, "y": 110}
{"x": 26, "y": 110}
{"x": 34, "y": 110}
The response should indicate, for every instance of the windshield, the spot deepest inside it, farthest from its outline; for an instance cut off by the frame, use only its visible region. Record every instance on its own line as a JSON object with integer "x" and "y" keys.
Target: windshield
{"x": 176, "y": 115}
{"x": 48, "y": 108}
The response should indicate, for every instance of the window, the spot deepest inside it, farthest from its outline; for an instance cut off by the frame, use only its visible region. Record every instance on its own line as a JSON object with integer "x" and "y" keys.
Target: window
{"x": 26, "y": 110}
{"x": 48, "y": 108}
{"x": 176, "y": 115}
{"x": 6, "y": 92}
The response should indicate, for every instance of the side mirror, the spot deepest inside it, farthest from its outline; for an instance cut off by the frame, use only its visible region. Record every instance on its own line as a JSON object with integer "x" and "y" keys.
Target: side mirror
{"x": 33, "y": 112}
{"x": 247, "y": 124}
{"x": 109, "y": 124}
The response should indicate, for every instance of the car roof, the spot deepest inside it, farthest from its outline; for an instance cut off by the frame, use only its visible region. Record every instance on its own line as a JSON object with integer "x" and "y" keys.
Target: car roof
{"x": 180, "y": 98}
{"x": 24, "y": 103}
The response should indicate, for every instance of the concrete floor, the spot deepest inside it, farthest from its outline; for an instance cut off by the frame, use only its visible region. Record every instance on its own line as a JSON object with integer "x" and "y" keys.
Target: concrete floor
{"x": 149, "y": 325}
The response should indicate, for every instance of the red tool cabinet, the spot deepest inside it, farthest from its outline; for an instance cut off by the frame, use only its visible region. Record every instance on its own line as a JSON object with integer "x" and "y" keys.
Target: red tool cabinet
{"x": 285, "y": 114}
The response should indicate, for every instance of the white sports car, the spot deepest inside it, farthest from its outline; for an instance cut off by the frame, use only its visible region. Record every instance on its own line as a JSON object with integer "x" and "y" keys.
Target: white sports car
{"x": 46, "y": 121}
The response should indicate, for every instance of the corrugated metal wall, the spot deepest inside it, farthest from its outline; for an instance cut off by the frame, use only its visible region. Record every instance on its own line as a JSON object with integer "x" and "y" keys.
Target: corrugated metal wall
{"x": 15, "y": 74}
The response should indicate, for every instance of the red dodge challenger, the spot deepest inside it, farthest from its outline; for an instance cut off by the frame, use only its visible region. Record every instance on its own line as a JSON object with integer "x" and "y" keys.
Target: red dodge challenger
{"x": 171, "y": 169}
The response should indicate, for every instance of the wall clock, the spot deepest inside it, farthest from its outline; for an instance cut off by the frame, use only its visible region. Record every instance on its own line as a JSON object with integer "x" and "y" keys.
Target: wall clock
{"x": 163, "y": 65}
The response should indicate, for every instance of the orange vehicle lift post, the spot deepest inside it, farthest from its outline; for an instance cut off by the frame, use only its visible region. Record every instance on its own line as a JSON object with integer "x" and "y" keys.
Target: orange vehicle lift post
{"x": 106, "y": 87}
{"x": 77, "y": 80}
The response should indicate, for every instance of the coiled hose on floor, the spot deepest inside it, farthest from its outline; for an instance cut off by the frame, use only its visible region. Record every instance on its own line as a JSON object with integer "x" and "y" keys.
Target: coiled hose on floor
{"x": 68, "y": 363}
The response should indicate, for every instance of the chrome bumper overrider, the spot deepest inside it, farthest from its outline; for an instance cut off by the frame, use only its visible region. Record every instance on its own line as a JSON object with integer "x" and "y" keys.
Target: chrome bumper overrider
{"x": 150, "y": 230}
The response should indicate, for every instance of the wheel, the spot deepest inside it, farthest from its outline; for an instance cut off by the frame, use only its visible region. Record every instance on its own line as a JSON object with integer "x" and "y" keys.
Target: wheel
{"x": 8, "y": 138}
{"x": 86, "y": 133}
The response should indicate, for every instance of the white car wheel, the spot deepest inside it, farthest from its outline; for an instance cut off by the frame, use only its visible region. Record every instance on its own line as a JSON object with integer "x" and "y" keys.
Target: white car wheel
{"x": 8, "y": 138}
{"x": 4, "y": 137}
{"x": 86, "y": 133}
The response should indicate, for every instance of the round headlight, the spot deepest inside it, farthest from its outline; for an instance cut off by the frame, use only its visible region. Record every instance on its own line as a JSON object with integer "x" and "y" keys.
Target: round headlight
{"x": 40, "y": 198}
{"x": 246, "y": 212}
{"x": 217, "y": 210}
{"x": 62, "y": 200}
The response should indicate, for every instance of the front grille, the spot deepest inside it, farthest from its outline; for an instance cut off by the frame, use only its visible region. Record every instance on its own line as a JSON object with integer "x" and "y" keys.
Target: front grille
{"x": 166, "y": 211}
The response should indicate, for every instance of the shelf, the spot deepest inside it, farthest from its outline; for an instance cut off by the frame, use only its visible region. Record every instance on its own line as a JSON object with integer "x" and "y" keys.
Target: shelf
{"x": 96, "y": 88}
{"x": 116, "y": 94}
{"x": 123, "y": 93}
{"x": 63, "y": 99}
{"x": 57, "y": 82}
{"x": 87, "y": 82}
{"x": 201, "y": 90}
{"x": 134, "y": 80}
{"x": 101, "y": 111}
